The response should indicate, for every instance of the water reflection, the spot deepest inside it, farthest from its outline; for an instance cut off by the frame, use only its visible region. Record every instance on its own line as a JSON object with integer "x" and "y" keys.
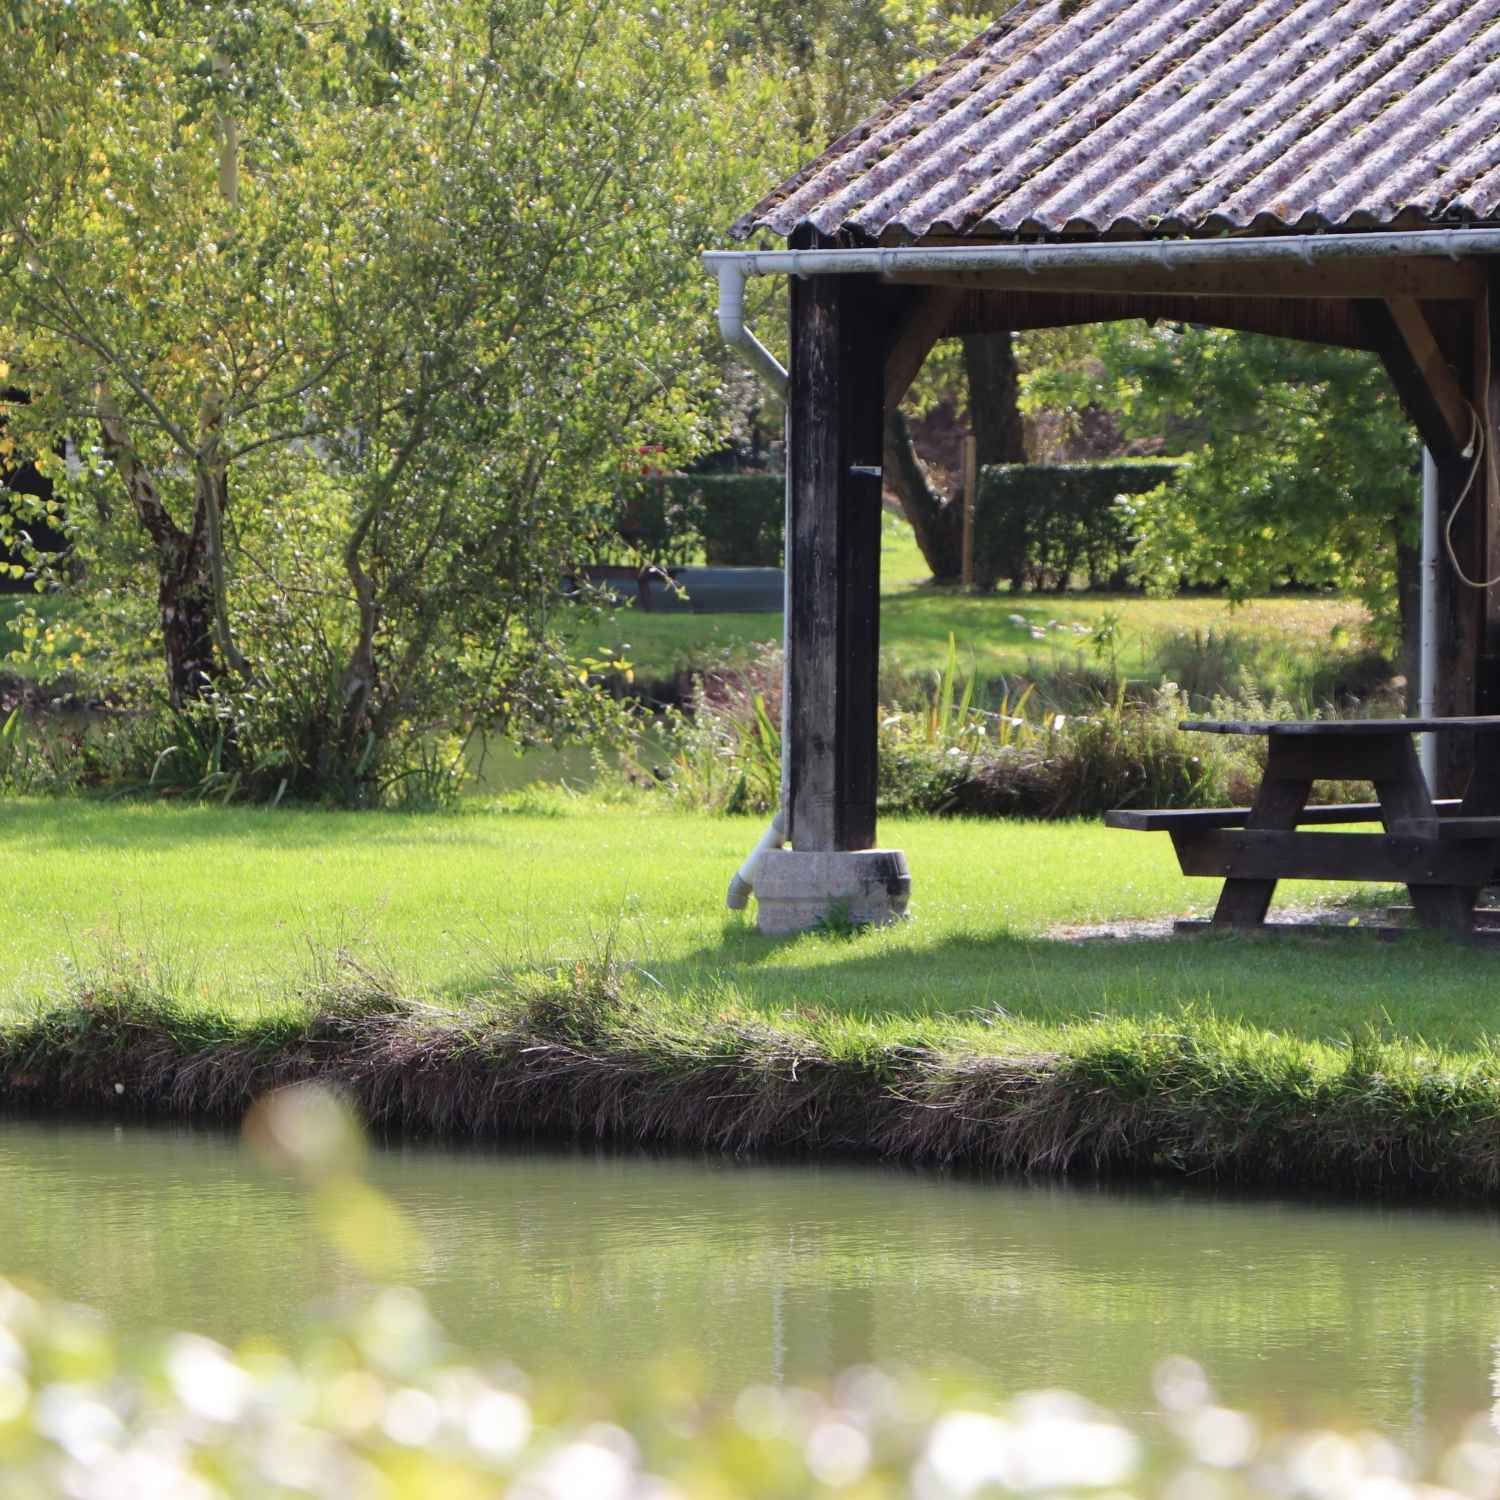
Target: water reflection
{"x": 600, "y": 1261}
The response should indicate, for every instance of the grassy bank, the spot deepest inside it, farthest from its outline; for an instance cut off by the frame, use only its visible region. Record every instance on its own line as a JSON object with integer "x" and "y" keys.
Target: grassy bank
{"x": 1286, "y": 642}
{"x": 568, "y": 969}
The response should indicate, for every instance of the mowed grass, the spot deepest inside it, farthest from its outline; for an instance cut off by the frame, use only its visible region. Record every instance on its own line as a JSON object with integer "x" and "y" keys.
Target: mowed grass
{"x": 916, "y": 622}
{"x": 234, "y": 909}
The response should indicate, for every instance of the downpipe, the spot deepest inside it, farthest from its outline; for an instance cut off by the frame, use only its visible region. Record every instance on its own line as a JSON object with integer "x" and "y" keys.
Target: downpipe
{"x": 770, "y": 369}
{"x": 1427, "y": 632}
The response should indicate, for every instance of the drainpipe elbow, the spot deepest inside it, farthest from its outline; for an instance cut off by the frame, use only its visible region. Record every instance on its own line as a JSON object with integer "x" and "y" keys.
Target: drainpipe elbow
{"x": 733, "y": 330}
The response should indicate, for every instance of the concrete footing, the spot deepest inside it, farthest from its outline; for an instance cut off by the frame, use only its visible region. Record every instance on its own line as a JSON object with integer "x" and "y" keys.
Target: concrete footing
{"x": 797, "y": 890}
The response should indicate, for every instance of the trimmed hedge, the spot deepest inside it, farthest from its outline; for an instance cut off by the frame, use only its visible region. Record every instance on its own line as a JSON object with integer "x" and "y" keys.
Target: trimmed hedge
{"x": 735, "y": 519}
{"x": 1040, "y": 524}
{"x": 1036, "y": 524}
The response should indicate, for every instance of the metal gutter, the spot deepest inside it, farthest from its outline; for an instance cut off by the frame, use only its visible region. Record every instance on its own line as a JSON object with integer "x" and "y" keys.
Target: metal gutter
{"x": 1304, "y": 249}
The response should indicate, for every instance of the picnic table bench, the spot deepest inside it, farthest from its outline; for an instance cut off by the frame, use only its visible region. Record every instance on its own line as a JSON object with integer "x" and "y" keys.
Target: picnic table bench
{"x": 1444, "y": 851}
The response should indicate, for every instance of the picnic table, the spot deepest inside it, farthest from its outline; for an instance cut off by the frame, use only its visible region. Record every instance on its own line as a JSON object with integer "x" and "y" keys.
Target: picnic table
{"x": 1443, "y": 850}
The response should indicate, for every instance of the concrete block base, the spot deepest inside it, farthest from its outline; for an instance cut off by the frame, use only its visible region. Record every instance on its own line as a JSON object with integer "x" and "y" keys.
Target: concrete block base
{"x": 795, "y": 891}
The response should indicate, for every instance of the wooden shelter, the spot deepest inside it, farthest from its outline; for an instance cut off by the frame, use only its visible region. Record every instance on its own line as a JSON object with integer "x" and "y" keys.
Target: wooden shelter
{"x": 1326, "y": 170}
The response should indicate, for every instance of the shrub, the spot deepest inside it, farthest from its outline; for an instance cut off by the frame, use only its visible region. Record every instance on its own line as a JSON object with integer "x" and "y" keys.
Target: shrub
{"x": 1041, "y": 764}
{"x": 1210, "y": 664}
{"x": 724, "y": 753}
{"x": 1042, "y": 523}
{"x": 734, "y": 520}
{"x": 948, "y": 753}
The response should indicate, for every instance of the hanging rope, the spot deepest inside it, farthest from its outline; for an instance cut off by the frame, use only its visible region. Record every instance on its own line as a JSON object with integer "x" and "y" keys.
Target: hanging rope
{"x": 1476, "y": 446}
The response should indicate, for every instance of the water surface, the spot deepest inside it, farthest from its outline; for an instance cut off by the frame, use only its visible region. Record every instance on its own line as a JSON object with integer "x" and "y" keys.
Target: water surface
{"x": 595, "y": 1262}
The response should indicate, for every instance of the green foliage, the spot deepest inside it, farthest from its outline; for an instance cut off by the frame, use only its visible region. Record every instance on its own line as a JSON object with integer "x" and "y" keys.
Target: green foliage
{"x": 350, "y": 429}
{"x": 735, "y": 520}
{"x": 1301, "y": 465}
{"x": 1039, "y": 524}
{"x": 37, "y": 757}
{"x": 724, "y": 753}
{"x": 1018, "y": 762}
{"x": 947, "y": 754}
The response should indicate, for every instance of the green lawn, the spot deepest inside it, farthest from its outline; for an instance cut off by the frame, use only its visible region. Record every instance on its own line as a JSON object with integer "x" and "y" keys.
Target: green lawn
{"x": 235, "y": 906}
{"x": 995, "y": 632}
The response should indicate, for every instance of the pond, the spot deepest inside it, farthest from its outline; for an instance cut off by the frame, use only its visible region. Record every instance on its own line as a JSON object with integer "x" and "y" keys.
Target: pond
{"x": 597, "y": 1261}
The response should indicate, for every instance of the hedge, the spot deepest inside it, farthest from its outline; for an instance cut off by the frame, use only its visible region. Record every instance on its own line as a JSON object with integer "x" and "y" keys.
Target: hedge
{"x": 1034, "y": 524}
{"x": 1040, "y": 524}
{"x": 734, "y": 519}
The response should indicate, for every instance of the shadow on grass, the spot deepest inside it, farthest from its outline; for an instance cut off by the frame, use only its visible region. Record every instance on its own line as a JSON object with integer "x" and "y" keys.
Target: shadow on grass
{"x": 1322, "y": 987}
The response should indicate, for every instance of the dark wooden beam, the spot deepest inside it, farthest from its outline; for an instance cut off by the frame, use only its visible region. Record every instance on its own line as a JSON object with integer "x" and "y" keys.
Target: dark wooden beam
{"x": 922, "y": 327}
{"x": 1413, "y": 276}
{"x": 840, "y": 341}
{"x": 1437, "y": 366}
{"x": 1485, "y": 789}
{"x": 1422, "y": 405}
{"x": 1432, "y": 365}
{"x": 1330, "y": 321}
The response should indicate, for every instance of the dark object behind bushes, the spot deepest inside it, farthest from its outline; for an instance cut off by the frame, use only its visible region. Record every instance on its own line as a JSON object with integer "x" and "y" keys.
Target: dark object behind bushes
{"x": 1039, "y": 524}
{"x": 735, "y": 519}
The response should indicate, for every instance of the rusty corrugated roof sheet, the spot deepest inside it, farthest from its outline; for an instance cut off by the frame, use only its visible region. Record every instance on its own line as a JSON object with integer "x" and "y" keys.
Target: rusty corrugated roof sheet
{"x": 1111, "y": 117}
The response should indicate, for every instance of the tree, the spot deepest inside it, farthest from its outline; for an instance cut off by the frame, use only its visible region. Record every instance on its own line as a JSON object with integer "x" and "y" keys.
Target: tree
{"x": 1302, "y": 467}
{"x": 357, "y": 311}
{"x": 840, "y": 59}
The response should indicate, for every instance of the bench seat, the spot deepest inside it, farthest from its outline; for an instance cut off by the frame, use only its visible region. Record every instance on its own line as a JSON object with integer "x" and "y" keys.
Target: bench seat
{"x": 1155, "y": 819}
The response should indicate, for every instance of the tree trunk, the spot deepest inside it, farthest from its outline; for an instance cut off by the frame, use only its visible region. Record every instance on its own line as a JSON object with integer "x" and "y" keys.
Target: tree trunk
{"x": 185, "y": 588}
{"x": 995, "y": 421}
{"x": 186, "y": 597}
{"x": 937, "y": 522}
{"x": 994, "y": 397}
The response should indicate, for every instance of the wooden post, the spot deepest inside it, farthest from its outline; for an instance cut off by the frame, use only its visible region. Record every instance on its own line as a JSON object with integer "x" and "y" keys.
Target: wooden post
{"x": 1482, "y": 796}
{"x": 839, "y": 343}
{"x": 1486, "y": 499}
{"x": 971, "y": 496}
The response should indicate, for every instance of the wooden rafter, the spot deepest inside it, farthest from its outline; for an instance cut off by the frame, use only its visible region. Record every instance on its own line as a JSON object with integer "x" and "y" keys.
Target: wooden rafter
{"x": 1421, "y": 343}
{"x": 924, "y": 325}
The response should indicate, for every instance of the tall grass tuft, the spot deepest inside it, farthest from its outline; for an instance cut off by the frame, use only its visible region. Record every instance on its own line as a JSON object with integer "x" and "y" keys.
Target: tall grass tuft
{"x": 943, "y": 751}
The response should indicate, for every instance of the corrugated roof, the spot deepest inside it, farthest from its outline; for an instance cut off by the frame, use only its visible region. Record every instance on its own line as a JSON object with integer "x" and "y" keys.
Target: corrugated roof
{"x": 1109, "y": 117}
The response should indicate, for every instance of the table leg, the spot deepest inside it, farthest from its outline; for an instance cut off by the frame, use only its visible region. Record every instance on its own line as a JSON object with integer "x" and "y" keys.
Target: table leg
{"x": 1279, "y": 800}
{"x": 1482, "y": 795}
{"x": 1404, "y": 795}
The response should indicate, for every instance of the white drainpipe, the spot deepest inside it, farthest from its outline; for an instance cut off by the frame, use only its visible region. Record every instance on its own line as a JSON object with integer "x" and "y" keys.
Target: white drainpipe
{"x": 1427, "y": 616}
{"x": 732, "y": 327}
{"x": 733, "y": 267}
{"x": 770, "y": 369}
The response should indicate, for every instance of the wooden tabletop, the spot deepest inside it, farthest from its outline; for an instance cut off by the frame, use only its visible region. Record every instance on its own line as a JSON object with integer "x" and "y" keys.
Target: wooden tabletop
{"x": 1312, "y": 728}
